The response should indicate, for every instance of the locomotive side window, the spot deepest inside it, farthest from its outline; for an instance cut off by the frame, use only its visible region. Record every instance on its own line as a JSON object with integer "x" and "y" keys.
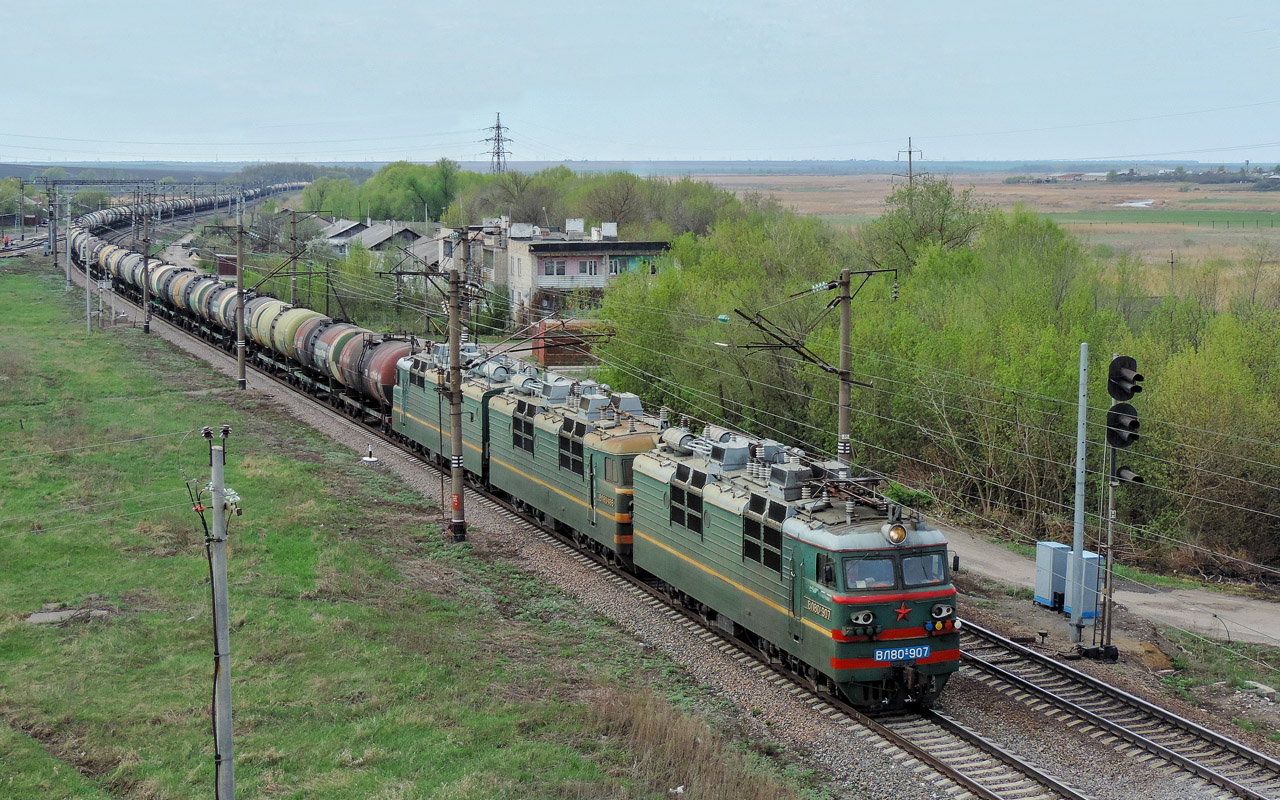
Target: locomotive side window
{"x": 618, "y": 471}
{"x": 522, "y": 426}
{"x": 762, "y": 543}
{"x": 686, "y": 508}
{"x": 571, "y": 453}
{"x": 869, "y": 573}
{"x": 751, "y": 539}
{"x": 824, "y": 570}
{"x": 924, "y": 570}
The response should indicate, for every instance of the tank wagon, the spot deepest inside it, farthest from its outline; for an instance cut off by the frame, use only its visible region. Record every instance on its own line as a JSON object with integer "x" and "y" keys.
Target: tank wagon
{"x": 350, "y": 366}
{"x": 803, "y": 561}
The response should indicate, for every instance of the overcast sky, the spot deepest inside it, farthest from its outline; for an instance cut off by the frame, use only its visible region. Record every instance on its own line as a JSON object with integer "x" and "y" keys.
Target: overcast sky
{"x": 641, "y": 80}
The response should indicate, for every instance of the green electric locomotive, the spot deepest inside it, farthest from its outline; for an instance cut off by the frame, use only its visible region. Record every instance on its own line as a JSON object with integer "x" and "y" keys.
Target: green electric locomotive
{"x": 813, "y": 567}
{"x": 559, "y": 449}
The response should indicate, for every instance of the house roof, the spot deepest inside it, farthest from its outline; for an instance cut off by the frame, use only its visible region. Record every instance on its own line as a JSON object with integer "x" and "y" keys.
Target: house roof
{"x": 338, "y": 227}
{"x": 381, "y": 232}
{"x": 586, "y": 246}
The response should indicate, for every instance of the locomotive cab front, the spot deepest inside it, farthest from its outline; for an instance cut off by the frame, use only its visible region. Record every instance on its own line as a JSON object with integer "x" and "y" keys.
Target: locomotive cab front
{"x": 894, "y": 634}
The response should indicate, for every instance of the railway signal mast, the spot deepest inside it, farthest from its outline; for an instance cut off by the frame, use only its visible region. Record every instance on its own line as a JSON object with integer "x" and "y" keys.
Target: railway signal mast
{"x": 1123, "y": 382}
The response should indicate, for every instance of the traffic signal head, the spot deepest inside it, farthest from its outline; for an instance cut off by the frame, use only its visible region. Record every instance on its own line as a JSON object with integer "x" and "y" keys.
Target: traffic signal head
{"x": 1122, "y": 425}
{"x": 1126, "y": 475}
{"x": 1123, "y": 378}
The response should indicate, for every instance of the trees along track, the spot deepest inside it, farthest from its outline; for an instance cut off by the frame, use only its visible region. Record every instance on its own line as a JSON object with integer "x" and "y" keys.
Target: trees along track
{"x": 1115, "y": 717}
{"x": 966, "y": 764}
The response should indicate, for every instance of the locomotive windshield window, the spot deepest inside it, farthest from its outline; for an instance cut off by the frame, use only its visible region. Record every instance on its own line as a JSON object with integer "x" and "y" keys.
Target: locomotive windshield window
{"x": 924, "y": 570}
{"x": 869, "y": 573}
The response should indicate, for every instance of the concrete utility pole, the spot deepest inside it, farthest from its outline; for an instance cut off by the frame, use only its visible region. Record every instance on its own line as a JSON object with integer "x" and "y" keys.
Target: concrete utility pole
{"x": 88, "y": 279}
{"x": 146, "y": 265}
{"x": 216, "y": 545}
{"x": 458, "y": 525}
{"x": 22, "y": 204}
{"x": 844, "y": 448}
{"x": 240, "y": 379}
{"x": 67, "y": 254}
{"x": 51, "y": 197}
{"x": 293, "y": 248}
{"x": 911, "y": 152}
{"x": 1075, "y": 570}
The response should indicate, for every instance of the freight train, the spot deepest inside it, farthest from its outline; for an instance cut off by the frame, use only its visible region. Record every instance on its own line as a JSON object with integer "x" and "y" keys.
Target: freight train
{"x": 797, "y": 557}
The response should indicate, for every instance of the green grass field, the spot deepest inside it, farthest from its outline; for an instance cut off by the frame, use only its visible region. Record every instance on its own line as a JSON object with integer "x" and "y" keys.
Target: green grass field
{"x": 369, "y": 659}
{"x": 1227, "y": 220}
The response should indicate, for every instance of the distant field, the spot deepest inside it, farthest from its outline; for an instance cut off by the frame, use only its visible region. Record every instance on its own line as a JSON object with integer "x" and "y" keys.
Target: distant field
{"x": 1190, "y": 220}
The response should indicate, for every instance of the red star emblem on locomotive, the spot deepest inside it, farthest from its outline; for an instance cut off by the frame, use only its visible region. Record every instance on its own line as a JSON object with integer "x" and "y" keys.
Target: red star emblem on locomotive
{"x": 903, "y": 611}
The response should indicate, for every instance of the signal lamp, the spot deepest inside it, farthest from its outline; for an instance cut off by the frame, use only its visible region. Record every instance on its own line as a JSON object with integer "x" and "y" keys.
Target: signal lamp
{"x": 896, "y": 534}
{"x": 1126, "y": 475}
{"x": 1122, "y": 425}
{"x": 1123, "y": 378}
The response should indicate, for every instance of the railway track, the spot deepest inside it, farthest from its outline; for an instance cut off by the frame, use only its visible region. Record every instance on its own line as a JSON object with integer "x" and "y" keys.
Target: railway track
{"x": 963, "y": 762}
{"x": 1133, "y": 726}
{"x": 27, "y": 247}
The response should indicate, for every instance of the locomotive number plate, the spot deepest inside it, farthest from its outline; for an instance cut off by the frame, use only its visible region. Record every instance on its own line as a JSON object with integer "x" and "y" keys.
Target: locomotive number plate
{"x": 902, "y": 653}
{"x": 821, "y": 611}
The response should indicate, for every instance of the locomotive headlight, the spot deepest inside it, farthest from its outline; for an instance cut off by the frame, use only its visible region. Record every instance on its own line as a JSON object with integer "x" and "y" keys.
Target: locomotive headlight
{"x": 942, "y": 611}
{"x": 863, "y": 618}
{"x": 895, "y": 533}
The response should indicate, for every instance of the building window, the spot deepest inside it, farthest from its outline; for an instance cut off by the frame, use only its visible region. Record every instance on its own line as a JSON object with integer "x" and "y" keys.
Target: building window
{"x": 448, "y": 249}
{"x": 554, "y": 266}
{"x": 588, "y": 267}
{"x": 615, "y": 266}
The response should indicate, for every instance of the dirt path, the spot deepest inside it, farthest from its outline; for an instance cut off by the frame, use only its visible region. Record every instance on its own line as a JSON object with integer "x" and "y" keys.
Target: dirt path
{"x": 1212, "y": 614}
